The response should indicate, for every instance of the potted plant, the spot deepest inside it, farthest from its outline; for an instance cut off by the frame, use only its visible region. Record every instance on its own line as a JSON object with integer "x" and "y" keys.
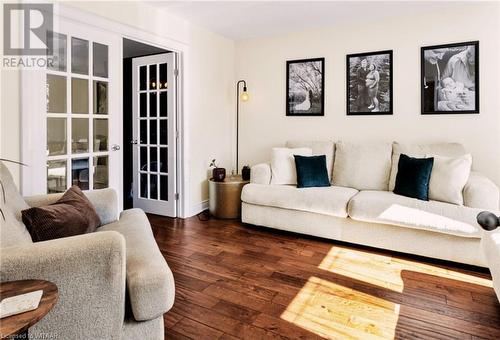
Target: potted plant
{"x": 218, "y": 174}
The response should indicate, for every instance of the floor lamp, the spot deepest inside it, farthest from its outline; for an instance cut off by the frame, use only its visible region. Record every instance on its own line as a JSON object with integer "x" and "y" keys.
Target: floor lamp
{"x": 243, "y": 97}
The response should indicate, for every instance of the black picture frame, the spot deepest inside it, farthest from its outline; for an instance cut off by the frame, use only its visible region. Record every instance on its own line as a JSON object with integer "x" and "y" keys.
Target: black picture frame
{"x": 428, "y": 95}
{"x": 364, "y": 111}
{"x": 290, "y": 101}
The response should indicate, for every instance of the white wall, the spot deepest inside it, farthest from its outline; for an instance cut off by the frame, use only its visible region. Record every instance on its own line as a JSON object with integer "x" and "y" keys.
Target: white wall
{"x": 262, "y": 63}
{"x": 208, "y": 81}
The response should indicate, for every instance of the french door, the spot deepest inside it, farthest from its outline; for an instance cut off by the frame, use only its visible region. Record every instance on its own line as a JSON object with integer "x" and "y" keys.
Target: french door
{"x": 78, "y": 130}
{"x": 154, "y": 134}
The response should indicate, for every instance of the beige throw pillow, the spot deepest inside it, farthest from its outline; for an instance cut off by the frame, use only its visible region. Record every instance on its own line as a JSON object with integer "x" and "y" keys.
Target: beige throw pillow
{"x": 318, "y": 148}
{"x": 283, "y": 164}
{"x": 448, "y": 178}
{"x": 362, "y": 166}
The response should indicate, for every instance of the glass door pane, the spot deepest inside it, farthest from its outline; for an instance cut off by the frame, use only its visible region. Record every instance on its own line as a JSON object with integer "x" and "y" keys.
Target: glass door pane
{"x": 100, "y": 97}
{"x": 79, "y": 56}
{"x": 100, "y": 59}
{"x": 80, "y": 135}
{"x": 101, "y": 172}
{"x": 79, "y": 95}
{"x": 56, "y": 136}
{"x": 56, "y": 94}
{"x": 57, "y": 51}
{"x": 100, "y": 135}
{"x": 56, "y": 176}
{"x": 80, "y": 173}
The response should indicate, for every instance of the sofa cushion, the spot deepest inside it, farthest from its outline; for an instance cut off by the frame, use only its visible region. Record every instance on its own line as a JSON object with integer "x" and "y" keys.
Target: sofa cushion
{"x": 318, "y": 148}
{"x": 413, "y": 177}
{"x": 71, "y": 215}
{"x": 330, "y": 201}
{"x": 449, "y": 177}
{"x": 363, "y": 166}
{"x": 311, "y": 171}
{"x": 283, "y": 164}
{"x": 150, "y": 282}
{"x": 420, "y": 150}
{"x": 388, "y": 208}
{"x": 12, "y": 231}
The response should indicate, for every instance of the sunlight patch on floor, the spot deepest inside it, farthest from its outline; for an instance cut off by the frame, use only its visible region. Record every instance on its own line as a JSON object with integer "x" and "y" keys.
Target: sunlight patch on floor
{"x": 385, "y": 271}
{"x": 336, "y": 312}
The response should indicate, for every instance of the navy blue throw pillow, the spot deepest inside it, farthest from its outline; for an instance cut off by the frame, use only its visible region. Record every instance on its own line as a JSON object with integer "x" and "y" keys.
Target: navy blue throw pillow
{"x": 413, "y": 177}
{"x": 311, "y": 171}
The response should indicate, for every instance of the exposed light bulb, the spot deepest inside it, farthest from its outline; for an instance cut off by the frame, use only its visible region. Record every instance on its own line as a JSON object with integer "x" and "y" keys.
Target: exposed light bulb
{"x": 244, "y": 96}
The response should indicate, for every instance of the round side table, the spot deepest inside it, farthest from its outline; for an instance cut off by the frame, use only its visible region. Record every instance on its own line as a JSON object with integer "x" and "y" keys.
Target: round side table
{"x": 225, "y": 197}
{"x": 16, "y": 326}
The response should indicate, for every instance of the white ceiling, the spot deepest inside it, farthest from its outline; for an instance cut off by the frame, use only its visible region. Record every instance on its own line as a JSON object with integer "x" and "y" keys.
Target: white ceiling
{"x": 250, "y": 19}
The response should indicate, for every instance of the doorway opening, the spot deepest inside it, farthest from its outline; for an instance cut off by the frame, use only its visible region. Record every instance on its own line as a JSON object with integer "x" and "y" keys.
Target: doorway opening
{"x": 149, "y": 128}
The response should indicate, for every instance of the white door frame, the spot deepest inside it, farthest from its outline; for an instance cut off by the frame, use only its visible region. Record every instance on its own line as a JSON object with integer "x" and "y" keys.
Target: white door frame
{"x": 129, "y": 32}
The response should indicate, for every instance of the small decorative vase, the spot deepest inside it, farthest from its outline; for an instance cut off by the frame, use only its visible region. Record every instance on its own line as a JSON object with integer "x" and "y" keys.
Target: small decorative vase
{"x": 245, "y": 173}
{"x": 218, "y": 174}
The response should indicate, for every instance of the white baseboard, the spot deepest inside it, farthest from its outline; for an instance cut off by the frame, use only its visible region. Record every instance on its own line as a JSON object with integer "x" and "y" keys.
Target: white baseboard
{"x": 197, "y": 208}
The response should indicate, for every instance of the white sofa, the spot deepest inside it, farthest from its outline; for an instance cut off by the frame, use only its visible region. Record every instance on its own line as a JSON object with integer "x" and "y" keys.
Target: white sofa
{"x": 361, "y": 208}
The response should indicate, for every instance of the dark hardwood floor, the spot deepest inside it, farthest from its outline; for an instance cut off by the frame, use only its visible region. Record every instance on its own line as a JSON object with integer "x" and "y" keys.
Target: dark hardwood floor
{"x": 238, "y": 281}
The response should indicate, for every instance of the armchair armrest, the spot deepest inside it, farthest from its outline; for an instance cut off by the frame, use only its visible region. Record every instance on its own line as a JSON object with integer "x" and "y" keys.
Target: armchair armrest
{"x": 89, "y": 271}
{"x": 480, "y": 192}
{"x": 105, "y": 202}
{"x": 261, "y": 174}
{"x": 150, "y": 282}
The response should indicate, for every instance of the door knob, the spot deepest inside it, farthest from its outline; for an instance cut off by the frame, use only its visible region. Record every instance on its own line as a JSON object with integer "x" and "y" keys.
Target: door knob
{"x": 115, "y": 147}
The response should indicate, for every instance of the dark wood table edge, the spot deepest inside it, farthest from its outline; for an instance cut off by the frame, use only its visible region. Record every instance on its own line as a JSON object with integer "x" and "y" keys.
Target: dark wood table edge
{"x": 48, "y": 300}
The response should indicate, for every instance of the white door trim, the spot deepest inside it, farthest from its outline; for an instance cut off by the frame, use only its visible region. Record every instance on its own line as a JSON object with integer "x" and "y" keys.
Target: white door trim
{"x": 129, "y": 32}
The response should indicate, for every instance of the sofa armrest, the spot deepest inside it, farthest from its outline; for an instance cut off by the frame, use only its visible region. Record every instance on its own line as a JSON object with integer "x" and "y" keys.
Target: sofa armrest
{"x": 480, "y": 192}
{"x": 261, "y": 174}
{"x": 89, "y": 271}
{"x": 150, "y": 282}
{"x": 105, "y": 202}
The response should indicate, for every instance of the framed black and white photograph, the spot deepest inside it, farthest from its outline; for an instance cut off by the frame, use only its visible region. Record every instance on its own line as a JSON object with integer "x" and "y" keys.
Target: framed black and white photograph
{"x": 450, "y": 78}
{"x": 369, "y": 83}
{"x": 305, "y": 87}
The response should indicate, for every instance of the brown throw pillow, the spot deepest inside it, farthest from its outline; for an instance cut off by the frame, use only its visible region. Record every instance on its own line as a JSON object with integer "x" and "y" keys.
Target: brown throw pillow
{"x": 71, "y": 215}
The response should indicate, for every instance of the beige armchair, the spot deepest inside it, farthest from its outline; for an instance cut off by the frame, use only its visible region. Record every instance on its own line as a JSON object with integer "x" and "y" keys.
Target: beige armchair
{"x": 113, "y": 284}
